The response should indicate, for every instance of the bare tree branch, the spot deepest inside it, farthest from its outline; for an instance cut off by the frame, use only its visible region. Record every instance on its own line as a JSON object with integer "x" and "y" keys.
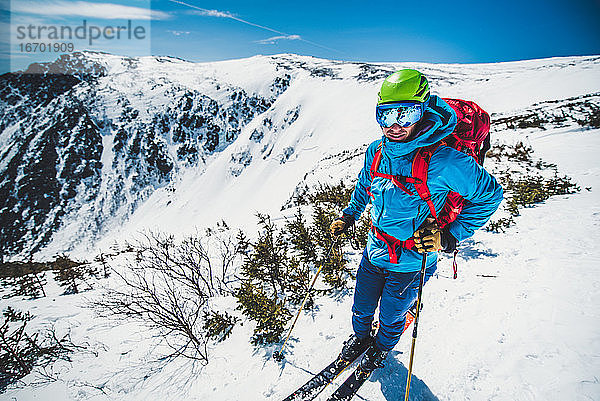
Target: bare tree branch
{"x": 167, "y": 285}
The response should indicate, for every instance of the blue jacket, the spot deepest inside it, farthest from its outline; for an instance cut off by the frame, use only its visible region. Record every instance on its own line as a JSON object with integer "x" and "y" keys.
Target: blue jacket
{"x": 399, "y": 214}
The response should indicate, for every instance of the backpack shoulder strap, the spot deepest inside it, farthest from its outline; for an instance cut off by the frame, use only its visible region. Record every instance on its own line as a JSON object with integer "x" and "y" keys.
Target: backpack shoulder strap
{"x": 375, "y": 162}
{"x": 420, "y": 168}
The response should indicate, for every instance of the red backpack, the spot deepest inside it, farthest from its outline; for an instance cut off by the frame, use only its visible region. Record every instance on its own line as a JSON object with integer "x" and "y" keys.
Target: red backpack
{"x": 470, "y": 136}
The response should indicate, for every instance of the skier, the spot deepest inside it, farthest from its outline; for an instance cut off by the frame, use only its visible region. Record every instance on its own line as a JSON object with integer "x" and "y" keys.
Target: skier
{"x": 389, "y": 272}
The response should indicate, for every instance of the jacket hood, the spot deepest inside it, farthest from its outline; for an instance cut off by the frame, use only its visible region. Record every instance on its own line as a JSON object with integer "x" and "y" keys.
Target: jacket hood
{"x": 438, "y": 121}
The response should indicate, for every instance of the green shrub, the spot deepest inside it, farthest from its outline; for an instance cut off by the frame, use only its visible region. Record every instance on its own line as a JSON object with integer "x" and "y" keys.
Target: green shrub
{"x": 279, "y": 266}
{"x": 269, "y": 314}
{"x": 30, "y": 286}
{"x": 298, "y": 279}
{"x": 336, "y": 196}
{"x": 519, "y": 153}
{"x": 532, "y": 120}
{"x": 268, "y": 259}
{"x": 593, "y": 118}
{"x": 218, "y": 326}
{"x": 300, "y": 239}
{"x": 18, "y": 269}
{"x": 500, "y": 225}
{"x": 275, "y": 271}
{"x": 27, "y": 279}
{"x": 523, "y": 189}
{"x": 363, "y": 226}
{"x": 531, "y": 189}
{"x": 70, "y": 274}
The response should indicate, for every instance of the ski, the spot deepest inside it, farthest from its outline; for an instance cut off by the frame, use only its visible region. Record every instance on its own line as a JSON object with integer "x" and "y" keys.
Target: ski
{"x": 350, "y": 387}
{"x": 317, "y": 384}
{"x": 321, "y": 380}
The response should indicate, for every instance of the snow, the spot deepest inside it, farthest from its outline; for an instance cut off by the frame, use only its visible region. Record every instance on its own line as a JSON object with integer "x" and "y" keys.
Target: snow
{"x": 521, "y": 322}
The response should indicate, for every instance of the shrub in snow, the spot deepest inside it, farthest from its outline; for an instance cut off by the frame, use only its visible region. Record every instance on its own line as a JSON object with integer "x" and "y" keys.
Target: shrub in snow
{"x": 335, "y": 196}
{"x": 23, "y": 279}
{"x": 332, "y": 199}
{"x": 267, "y": 278}
{"x": 21, "y": 351}
{"x": 219, "y": 325}
{"x": 531, "y": 182}
{"x": 334, "y": 267}
{"x": 279, "y": 266}
{"x": 592, "y": 120}
{"x": 71, "y": 274}
{"x": 268, "y": 312}
{"x": 167, "y": 284}
{"x": 27, "y": 279}
{"x": 532, "y": 189}
{"x": 500, "y": 225}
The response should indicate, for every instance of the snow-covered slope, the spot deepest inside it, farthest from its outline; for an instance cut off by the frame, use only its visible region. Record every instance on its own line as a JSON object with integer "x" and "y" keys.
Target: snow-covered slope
{"x": 157, "y": 142}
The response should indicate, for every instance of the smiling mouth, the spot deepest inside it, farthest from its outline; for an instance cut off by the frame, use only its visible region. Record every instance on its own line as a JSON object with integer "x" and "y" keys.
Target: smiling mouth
{"x": 398, "y": 134}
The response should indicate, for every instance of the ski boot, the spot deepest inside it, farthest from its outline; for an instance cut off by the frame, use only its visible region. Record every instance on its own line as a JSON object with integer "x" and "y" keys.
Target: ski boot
{"x": 371, "y": 360}
{"x": 355, "y": 346}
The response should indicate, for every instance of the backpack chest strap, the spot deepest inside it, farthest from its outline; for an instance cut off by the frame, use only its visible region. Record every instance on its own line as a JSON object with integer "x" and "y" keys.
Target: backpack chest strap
{"x": 397, "y": 180}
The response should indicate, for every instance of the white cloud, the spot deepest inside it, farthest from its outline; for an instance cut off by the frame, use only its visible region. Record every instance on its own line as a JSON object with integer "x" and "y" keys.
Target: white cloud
{"x": 273, "y": 39}
{"x": 213, "y": 13}
{"x": 205, "y": 12}
{"x": 87, "y": 9}
{"x": 179, "y": 33}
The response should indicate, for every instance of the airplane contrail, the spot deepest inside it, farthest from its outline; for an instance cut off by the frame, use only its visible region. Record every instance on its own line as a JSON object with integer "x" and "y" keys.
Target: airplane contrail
{"x": 221, "y": 14}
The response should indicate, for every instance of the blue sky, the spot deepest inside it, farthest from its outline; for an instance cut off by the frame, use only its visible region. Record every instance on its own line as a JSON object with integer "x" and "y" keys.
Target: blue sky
{"x": 439, "y": 32}
{"x": 445, "y": 31}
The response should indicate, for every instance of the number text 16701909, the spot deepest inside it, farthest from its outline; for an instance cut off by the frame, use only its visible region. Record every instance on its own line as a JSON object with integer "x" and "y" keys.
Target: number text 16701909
{"x": 43, "y": 47}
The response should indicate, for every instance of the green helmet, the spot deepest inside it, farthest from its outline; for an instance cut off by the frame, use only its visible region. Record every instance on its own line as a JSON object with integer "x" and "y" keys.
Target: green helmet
{"x": 404, "y": 85}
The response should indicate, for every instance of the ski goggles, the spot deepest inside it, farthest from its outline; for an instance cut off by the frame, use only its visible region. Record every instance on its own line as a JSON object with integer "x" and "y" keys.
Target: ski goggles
{"x": 404, "y": 114}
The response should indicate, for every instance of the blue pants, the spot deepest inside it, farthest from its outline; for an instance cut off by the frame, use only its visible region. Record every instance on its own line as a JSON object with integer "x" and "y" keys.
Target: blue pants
{"x": 396, "y": 292}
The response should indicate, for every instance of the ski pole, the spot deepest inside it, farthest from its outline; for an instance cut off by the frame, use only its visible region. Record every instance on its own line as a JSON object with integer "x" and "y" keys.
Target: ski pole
{"x": 278, "y": 355}
{"x": 414, "y": 335}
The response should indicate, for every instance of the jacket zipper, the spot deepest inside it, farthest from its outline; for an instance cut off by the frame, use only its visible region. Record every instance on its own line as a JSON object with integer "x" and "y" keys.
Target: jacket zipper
{"x": 418, "y": 214}
{"x": 382, "y": 204}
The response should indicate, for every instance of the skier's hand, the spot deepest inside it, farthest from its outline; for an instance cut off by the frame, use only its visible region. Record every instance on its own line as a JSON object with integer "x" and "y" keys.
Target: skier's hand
{"x": 428, "y": 238}
{"x": 341, "y": 225}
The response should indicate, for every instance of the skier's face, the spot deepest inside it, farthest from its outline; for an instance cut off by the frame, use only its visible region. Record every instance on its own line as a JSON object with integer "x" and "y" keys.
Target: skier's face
{"x": 397, "y": 133}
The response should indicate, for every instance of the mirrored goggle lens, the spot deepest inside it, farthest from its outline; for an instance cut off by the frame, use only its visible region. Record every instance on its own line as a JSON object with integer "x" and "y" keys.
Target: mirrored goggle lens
{"x": 402, "y": 114}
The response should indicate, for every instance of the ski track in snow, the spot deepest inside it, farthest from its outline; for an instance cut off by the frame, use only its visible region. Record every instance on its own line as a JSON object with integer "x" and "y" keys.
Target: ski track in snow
{"x": 531, "y": 332}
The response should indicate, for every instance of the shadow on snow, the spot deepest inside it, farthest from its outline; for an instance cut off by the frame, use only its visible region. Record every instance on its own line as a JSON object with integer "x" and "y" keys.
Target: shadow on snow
{"x": 393, "y": 382}
{"x": 470, "y": 249}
